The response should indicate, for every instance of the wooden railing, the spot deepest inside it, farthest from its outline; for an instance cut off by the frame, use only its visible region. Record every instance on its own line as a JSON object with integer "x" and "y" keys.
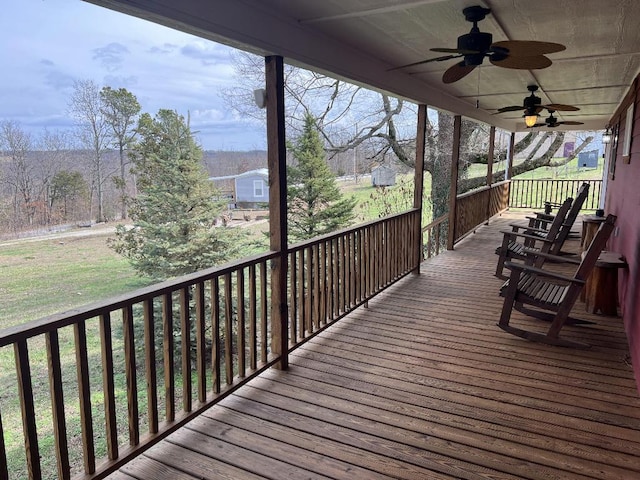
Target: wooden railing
{"x": 331, "y": 275}
{"x": 476, "y": 207}
{"x": 144, "y": 364}
{"x": 534, "y": 193}
{"x": 434, "y": 236}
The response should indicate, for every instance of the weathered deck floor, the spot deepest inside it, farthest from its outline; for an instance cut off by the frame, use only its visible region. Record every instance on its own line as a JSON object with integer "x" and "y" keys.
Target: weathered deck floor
{"x": 423, "y": 385}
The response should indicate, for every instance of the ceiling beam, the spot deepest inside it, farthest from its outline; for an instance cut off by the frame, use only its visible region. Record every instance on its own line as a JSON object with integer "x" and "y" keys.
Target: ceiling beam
{"x": 370, "y": 11}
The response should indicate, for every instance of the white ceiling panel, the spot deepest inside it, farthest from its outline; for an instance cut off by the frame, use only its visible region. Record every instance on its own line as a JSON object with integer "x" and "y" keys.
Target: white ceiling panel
{"x": 362, "y": 40}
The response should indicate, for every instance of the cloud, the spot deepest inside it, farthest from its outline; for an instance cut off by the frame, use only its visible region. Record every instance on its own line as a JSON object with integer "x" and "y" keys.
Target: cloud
{"x": 47, "y": 62}
{"x": 164, "y": 49}
{"x": 207, "y": 52}
{"x": 58, "y": 80}
{"x": 112, "y": 56}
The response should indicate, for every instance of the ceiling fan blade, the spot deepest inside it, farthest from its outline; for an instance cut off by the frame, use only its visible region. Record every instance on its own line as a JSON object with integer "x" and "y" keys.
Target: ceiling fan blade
{"x": 421, "y": 62}
{"x": 571, "y": 122}
{"x": 455, "y": 50}
{"x": 559, "y": 107}
{"x": 512, "y": 108}
{"x": 522, "y": 63}
{"x": 528, "y": 48}
{"x": 456, "y": 72}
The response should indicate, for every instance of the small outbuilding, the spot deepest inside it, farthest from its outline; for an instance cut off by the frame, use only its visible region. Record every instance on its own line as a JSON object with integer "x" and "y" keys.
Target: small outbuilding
{"x": 252, "y": 188}
{"x": 383, "y": 176}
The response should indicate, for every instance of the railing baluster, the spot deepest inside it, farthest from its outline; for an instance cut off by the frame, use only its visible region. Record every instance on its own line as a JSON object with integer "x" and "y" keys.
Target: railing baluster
{"x": 25, "y": 392}
{"x": 264, "y": 344}
{"x": 150, "y": 364}
{"x": 335, "y": 277}
{"x": 57, "y": 405}
{"x": 167, "y": 348}
{"x": 315, "y": 277}
{"x": 308, "y": 321}
{"x": 215, "y": 334}
{"x": 185, "y": 350}
{"x": 108, "y": 386}
{"x": 131, "y": 375}
{"x": 322, "y": 285}
{"x": 201, "y": 366}
{"x": 329, "y": 283}
{"x": 242, "y": 342}
{"x": 84, "y": 395}
{"x": 228, "y": 329}
{"x": 253, "y": 351}
{"x": 302, "y": 301}
{"x": 293, "y": 298}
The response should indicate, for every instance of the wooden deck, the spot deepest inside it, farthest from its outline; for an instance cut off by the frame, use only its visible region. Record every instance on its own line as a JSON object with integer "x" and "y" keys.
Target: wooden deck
{"x": 423, "y": 385}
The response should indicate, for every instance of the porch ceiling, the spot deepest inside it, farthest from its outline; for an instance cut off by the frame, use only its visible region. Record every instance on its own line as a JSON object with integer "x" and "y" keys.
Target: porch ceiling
{"x": 361, "y": 40}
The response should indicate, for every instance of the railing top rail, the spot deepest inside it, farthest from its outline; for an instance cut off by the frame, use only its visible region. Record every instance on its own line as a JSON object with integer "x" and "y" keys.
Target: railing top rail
{"x": 482, "y": 189}
{"x": 63, "y": 319}
{"x": 330, "y": 236}
{"x": 437, "y": 221}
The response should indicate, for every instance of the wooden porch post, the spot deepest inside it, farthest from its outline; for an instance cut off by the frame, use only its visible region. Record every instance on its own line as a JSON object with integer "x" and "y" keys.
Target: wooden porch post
{"x": 276, "y": 158}
{"x": 512, "y": 141}
{"x": 418, "y": 188}
{"x": 508, "y": 172}
{"x": 490, "y": 154}
{"x": 453, "y": 190}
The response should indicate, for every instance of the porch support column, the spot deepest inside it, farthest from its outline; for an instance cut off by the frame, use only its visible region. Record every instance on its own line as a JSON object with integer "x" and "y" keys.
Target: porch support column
{"x": 453, "y": 190}
{"x": 512, "y": 142}
{"x": 418, "y": 188}
{"x": 490, "y": 154}
{"x": 509, "y": 170}
{"x": 276, "y": 158}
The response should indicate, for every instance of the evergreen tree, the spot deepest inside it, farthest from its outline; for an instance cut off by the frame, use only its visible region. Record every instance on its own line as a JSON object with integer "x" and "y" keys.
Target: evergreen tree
{"x": 315, "y": 204}
{"x": 174, "y": 214}
{"x": 120, "y": 109}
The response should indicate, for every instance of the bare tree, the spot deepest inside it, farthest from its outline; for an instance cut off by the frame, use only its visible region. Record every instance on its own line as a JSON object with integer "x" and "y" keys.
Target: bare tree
{"x": 20, "y": 177}
{"x": 53, "y": 158}
{"x": 87, "y": 108}
{"x": 382, "y": 124}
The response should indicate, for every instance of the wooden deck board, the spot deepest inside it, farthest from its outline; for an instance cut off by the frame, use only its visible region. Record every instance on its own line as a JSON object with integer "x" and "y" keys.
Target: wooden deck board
{"x": 422, "y": 384}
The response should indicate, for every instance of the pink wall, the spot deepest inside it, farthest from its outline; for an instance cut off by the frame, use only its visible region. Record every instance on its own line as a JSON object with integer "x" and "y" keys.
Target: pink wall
{"x": 623, "y": 200}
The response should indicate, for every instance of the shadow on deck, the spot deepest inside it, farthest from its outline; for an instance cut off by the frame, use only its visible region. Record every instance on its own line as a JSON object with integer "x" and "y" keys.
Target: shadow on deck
{"x": 423, "y": 385}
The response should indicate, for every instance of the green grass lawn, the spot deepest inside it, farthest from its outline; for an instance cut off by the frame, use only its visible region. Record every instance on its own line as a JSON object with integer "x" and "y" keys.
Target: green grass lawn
{"x": 42, "y": 277}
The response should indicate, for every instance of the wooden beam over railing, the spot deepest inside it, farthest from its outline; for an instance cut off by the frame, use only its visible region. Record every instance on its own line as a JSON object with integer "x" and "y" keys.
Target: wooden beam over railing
{"x": 276, "y": 155}
{"x": 453, "y": 190}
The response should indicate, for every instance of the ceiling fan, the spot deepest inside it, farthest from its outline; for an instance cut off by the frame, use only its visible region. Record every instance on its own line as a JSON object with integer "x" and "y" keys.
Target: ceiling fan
{"x": 552, "y": 121}
{"x": 474, "y": 46}
{"x": 532, "y": 105}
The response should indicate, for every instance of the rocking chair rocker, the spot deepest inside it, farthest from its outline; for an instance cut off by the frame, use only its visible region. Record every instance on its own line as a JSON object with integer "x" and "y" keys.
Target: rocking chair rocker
{"x": 550, "y": 291}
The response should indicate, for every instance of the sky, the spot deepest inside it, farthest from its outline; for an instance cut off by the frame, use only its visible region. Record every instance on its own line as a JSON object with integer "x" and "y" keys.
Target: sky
{"x": 47, "y": 45}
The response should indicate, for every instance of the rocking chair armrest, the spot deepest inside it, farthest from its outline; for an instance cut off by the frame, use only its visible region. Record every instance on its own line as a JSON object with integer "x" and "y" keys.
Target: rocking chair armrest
{"x": 534, "y": 229}
{"x": 556, "y": 258}
{"x": 516, "y": 227}
{"x": 541, "y": 273}
{"x": 540, "y": 216}
{"x": 527, "y": 236}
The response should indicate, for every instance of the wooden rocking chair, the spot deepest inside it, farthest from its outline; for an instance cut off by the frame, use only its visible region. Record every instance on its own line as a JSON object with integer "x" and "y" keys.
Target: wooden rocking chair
{"x": 553, "y": 295}
{"x": 545, "y": 241}
{"x": 543, "y": 219}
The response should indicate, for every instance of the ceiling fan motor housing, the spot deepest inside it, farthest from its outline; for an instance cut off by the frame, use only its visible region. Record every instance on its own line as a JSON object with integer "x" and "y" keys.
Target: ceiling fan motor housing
{"x": 477, "y": 42}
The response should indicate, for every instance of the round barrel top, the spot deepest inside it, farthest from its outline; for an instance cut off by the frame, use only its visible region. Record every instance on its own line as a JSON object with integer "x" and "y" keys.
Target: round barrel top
{"x": 593, "y": 219}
